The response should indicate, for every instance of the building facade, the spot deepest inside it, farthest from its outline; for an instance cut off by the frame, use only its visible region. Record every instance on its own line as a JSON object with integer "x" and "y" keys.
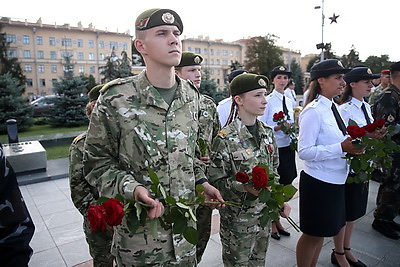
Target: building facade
{"x": 42, "y": 49}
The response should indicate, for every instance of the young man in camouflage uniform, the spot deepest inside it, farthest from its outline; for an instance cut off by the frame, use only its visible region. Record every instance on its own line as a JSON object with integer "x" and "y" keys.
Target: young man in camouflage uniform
{"x": 387, "y": 106}
{"x": 149, "y": 120}
{"x": 83, "y": 194}
{"x": 190, "y": 69}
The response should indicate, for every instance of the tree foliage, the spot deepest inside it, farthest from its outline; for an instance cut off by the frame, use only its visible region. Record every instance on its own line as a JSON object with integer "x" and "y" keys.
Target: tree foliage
{"x": 116, "y": 67}
{"x": 12, "y": 104}
{"x": 263, "y": 55}
{"x": 377, "y": 64}
{"x": 209, "y": 87}
{"x": 352, "y": 59}
{"x": 297, "y": 76}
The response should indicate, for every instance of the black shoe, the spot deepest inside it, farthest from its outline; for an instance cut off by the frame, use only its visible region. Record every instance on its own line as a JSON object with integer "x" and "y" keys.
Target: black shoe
{"x": 357, "y": 263}
{"x": 276, "y": 236}
{"x": 394, "y": 225}
{"x": 283, "y": 232}
{"x": 334, "y": 261}
{"x": 385, "y": 229}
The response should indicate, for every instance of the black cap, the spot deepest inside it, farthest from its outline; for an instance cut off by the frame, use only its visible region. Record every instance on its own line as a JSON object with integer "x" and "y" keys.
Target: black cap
{"x": 395, "y": 66}
{"x": 279, "y": 70}
{"x": 246, "y": 82}
{"x": 360, "y": 73}
{"x": 190, "y": 59}
{"x": 156, "y": 17}
{"x": 326, "y": 68}
{"x": 235, "y": 73}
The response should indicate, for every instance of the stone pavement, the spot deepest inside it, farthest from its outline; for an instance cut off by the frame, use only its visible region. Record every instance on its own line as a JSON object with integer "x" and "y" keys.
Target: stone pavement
{"x": 59, "y": 240}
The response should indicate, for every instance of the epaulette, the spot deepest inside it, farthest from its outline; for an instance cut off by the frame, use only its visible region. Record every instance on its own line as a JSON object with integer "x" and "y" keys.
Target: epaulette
{"x": 346, "y": 106}
{"x": 116, "y": 82}
{"x": 80, "y": 137}
{"x": 314, "y": 103}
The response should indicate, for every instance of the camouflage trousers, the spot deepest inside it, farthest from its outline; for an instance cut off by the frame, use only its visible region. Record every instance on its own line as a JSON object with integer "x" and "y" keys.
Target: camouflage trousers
{"x": 388, "y": 203}
{"x": 99, "y": 246}
{"x": 244, "y": 242}
{"x": 186, "y": 262}
{"x": 203, "y": 215}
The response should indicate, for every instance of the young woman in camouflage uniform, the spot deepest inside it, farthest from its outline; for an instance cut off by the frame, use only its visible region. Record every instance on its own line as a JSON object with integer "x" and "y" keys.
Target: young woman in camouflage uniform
{"x": 244, "y": 143}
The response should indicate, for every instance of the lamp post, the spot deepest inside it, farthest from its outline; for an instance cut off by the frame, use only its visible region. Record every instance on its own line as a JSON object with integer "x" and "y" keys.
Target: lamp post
{"x": 321, "y": 45}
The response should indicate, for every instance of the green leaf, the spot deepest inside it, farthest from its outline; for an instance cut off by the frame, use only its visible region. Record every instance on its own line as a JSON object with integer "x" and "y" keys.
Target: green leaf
{"x": 202, "y": 147}
{"x": 192, "y": 215}
{"x": 199, "y": 189}
{"x": 264, "y": 220}
{"x": 162, "y": 191}
{"x": 153, "y": 176}
{"x": 183, "y": 206}
{"x": 179, "y": 226}
{"x": 289, "y": 191}
{"x": 191, "y": 235}
{"x": 170, "y": 200}
{"x": 352, "y": 122}
{"x": 264, "y": 195}
{"x": 101, "y": 200}
{"x": 153, "y": 228}
{"x": 138, "y": 209}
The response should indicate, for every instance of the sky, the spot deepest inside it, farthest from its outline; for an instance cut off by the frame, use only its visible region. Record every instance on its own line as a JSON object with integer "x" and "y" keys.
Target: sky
{"x": 369, "y": 26}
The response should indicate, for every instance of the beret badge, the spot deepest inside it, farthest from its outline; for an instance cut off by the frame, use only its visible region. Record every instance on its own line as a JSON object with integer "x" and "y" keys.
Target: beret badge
{"x": 197, "y": 60}
{"x": 281, "y": 68}
{"x": 340, "y": 64}
{"x": 369, "y": 71}
{"x": 262, "y": 82}
{"x": 168, "y": 18}
{"x": 142, "y": 23}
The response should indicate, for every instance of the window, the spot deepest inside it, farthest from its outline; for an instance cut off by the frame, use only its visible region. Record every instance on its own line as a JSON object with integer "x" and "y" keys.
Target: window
{"x": 205, "y": 51}
{"x": 28, "y": 68}
{"x": 10, "y": 38}
{"x": 80, "y": 43}
{"x": 124, "y": 46}
{"x": 92, "y": 69}
{"x": 53, "y": 55}
{"x": 197, "y": 50}
{"x": 26, "y": 39}
{"x": 218, "y": 52}
{"x": 66, "y": 54}
{"x": 52, "y": 41}
{"x": 91, "y": 56}
{"x": 91, "y": 44}
{"x": 101, "y": 44}
{"x": 189, "y": 49}
{"x": 29, "y": 82}
{"x": 40, "y": 54}
{"x": 237, "y": 54}
{"x": 27, "y": 53}
{"x": 80, "y": 56}
{"x": 211, "y": 61}
{"x": 39, "y": 40}
{"x": 66, "y": 42}
{"x": 41, "y": 68}
{"x": 211, "y": 51}
{"x": 54, "y": 68}
{"x": 218, "y": 62}
{"x": 224, "y": 52}
{"x": 101, "y": 56}
{"x": 81, "y": 69}
{"x": 12, "y": 53}
{"x": 113, "y": 45}
{"x": 42, "y": 82}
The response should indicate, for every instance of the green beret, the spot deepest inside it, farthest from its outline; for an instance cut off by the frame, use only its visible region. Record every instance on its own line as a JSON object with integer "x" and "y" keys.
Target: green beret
{"x": 95, "y": 92}
{"x": 157, "y": 17}
{"x": 190, "y": 59}
{"x": 246, "y": 82}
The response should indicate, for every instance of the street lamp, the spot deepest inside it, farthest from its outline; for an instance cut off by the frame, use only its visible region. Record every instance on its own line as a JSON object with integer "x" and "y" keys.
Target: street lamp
{"x": 321, "y": 45}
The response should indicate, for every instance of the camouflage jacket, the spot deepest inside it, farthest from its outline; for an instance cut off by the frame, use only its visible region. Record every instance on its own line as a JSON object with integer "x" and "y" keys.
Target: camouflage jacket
{"x": 234, "y": 149}
{"x": 208, "y": 120}
{"x": 133, "y": 128}
{"x": 82, "y": 193}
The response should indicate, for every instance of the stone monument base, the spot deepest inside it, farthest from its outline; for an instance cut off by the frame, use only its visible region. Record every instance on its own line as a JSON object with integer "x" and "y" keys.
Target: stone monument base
{"x": 26, "y": 157}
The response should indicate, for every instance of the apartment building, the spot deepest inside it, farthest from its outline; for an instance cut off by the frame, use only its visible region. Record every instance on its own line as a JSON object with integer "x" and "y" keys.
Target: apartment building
{"x": 41, "y": 50}
{"x": 218, "y": 56}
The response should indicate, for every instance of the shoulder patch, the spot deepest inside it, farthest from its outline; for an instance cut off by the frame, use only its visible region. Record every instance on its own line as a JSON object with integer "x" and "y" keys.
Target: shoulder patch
{"x": 80, "y": 137}
{"x": 222, "y": 133}
{"x": 117, "y": 82}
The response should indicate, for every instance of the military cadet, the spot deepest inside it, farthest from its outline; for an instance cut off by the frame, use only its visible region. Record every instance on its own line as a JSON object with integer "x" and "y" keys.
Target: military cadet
{"x": 16, "y": 225}
{"x": 385, "y": 81}
{"x": 387, "y": 106}
{"x": 322, "y": 146}
{"x": 190, "y": 69}
{"x": 148, "y": 121}
{"x": 241, "y": 145}
{"x": 277, "y": 101}
{"x": 358, "y": 87}
{"x": 83, "y": 194}
{"x": 224, "y": 106}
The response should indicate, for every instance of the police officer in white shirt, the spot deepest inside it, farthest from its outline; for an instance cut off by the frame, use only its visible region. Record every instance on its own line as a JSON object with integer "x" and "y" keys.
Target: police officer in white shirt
{"x": 322, "y": 144}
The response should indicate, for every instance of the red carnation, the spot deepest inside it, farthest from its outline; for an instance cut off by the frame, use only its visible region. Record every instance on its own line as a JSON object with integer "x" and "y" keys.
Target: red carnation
{"x": 242, "y": 177}
{"x": 380, "y": 123}
{"x": 97, "y": 218}
{"x": 259, "y": 177}
{"x": 355, "y": 131}
{"x": 370, "y": 127}
{"x": 114, "y": 211}
{"x": 278, "y": 116}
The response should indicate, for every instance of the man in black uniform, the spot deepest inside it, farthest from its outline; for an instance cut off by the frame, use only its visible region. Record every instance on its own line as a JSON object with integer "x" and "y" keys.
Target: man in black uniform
{"x": 388, "y": 203}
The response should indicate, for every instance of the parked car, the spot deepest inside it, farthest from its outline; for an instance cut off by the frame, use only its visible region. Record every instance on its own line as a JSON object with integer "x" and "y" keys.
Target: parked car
{"x": 42, "y": 105}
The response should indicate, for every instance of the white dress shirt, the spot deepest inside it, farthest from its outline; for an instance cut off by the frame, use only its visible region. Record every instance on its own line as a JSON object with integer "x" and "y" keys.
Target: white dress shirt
{"x": 290, "y": 93}
{"x": 275, "y": 105}
{"x": 224, "y": 109}
{"x": 320, "y": 143}
{"x": 352, "y": 110}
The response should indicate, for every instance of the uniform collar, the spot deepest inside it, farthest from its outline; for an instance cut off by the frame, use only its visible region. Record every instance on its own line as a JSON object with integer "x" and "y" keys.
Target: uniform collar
{"x": 356, "y": 102}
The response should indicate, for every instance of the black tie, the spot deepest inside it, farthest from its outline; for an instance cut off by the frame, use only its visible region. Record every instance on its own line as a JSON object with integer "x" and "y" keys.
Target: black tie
{"x": 285, "y": 110}
{"x": 293, "y": 94}
{"x": 338, "y": 119}
{"x": 365, "y": 113}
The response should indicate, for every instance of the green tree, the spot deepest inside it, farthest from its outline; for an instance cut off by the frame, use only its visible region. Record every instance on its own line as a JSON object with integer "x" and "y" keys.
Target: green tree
{"x": 137, "y": 58}
{"x": 263, "y": 55}
{"x": 377, "y": 64}
{"x": 116, "y": 67}
{"x": 297, "y": 76}
{"x": 12, "y": 104}
{"x": 352, "y": 59}
{"x": 209, "y": 87}
{"x": 125, "y": 65}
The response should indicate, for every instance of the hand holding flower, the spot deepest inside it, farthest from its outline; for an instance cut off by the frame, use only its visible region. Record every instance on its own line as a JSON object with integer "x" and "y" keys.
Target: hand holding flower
{"x": 141, "y": 194}
{"x": 350, "y": 147}
{"x": 286, "y": 209}
{"x": 213, "y": 195}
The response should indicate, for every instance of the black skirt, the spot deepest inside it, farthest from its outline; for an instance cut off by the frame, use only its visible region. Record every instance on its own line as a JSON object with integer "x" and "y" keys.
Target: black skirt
{"x": 287, "y": 165}
{"x": 322, "y": 207}
{"x": 356, "y": 199}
